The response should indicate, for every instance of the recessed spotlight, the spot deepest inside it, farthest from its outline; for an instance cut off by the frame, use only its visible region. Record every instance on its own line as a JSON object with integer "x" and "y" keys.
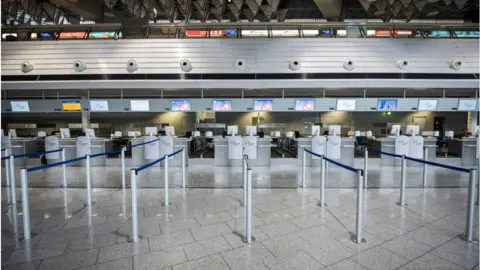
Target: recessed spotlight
{"x": 432, "y": 13}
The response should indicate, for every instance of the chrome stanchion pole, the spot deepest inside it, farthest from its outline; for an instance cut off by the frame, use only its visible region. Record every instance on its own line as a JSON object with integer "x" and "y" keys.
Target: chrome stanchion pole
{"x": 425, "y": 173}
{"x": 478, "y": 183}
{"x": 248, "y": 218}
{"x": 184, "y": 161}
{"x": 323, "y": 166}
{"x": 25, "y": 206}
{"x": 7, "y": 176}
{"x": 123, "y": 165}
{"x": 244, "y": 168}
{"x": 365, "y": 168}
{"x": 358, "y": 237}
{"x": 64, "y": 169}
{"x": 133, "y": 184}
{"x": 304, "y": 165}
{"x": 468, "y": 236}
{"x": 13, "y": 185}
{"x": 89, "y": 184}
{"x": 402, "y": 182}
{"x": 165, "y": 189}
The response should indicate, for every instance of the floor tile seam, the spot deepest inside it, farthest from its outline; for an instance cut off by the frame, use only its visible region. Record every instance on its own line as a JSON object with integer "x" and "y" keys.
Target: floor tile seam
{"x": 351, "y": 257}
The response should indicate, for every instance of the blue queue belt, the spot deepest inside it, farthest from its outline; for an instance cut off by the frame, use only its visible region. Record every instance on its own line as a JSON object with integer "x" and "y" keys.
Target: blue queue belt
{"x": 105, "y": 154}
{"x": 7, "y": 157}
{"x": 384, "y": 153}
{"x": 54, "y": 164}
{"x": 139, "y": 144}
{"x": 38, "y": 153}
{"x": 439, "y": 165}
{"x": 333, "y": 161}
{"x": 139, "y": 169}
{"x": 174, "y": 153}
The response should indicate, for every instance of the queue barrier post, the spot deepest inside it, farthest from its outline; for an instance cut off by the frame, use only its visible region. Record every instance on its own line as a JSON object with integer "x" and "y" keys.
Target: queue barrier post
{"x": 135, "y": 237}
{"x": 425, "y": 172}
{"x": 323, "y": 166}
{"x": 13, "y": 184}
{"x": 89, "y": 184}
{"x": 184, "y": 161}
{"x": 25, "y": 205}
{"x": 7, "y": 176}
{"x": 402, "y": 181}
{"x": 64, "y": 169}
{"x": 359, "y": 222}
{"x": 365, "y": 168}
{"x": 165, "y": 189}
{"x": 304, "y": 165}
{"x": 468, "y": 235}
{"x": 248, "y": 239}
{"x": 244, "y": 175}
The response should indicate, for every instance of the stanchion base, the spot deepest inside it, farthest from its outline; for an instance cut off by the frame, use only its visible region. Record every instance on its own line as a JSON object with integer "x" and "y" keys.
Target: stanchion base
{"x": 32, "y": 235}
{"x": 320, "y": 204}
{"x": 362, "y": 241}
{"x": 400, "y": 204}
{"x": 130, "y": 239}
{"x": 165, "y": 205}
{"x": 464, "y": 237}
{"x": 244, "y": 239}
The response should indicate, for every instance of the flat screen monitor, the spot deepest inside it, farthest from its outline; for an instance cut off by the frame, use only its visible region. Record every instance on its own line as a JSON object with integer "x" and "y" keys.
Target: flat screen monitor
{"x": 19, "y": 106}
{"x": 232, "y": 130}
{"x": 334, "y": 129}
{"x": 98, "y": 106}
{"x": 387, "y": 105}
{"x": 413, "y": 130}
{"x": 467, "y": 105}
{"x": 181, "y": 105}
{"x": 304, "y": 105}
{"x": 222, "y": 105}
{"x": 427, "y": 105}
{"x": 263, "y": 105}
{"x": 346, "y": 104}
{"x": 71, "y": 105}
{"x": 139, "y": 105}
{"x": 169, "y": 130}
{"x": 395, "y": 130}
{"x": 315, "y": 130}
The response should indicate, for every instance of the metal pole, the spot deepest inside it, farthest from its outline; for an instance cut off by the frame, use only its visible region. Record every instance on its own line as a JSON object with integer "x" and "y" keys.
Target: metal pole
{"x": 402, "y": 182}
{"x": 25, "y": 210}
{"x": 478, "y": 183}
{"x": 244, "y": 168}
{"x": 7, "y": 176}
{"x": 13, "y": 185}
{"x": 183, "y": 167}
{"x": 322, "y": 182}
{"x": 133, "y": 180}
{"x": 123, "y": 166}
{"x": 89, "y": 184}
{"x": 304, "y": 165}
{"x": 165, "y": 189}
{"x": 468, "y": 236}
{"x": 248, "y": 218}
{"x": 365, "y": 168}
{"x": 358, "y": 237}
{"x": 64, "y": 168}
{"x": 425, "y": 173}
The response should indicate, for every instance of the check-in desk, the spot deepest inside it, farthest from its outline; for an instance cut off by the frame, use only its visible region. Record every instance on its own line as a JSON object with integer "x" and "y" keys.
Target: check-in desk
{"x": 347, "y": 151}
{"x": 388, "y": 145}
{"x": 465, "y": 149}
{"x": 138, "y": 152}
{"x": 22, "y": 146}
{"x": 221, "y": 153}
{"x": 98, "y": 145}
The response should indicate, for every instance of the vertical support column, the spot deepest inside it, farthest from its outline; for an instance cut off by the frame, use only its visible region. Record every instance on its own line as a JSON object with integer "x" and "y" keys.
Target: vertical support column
{"x": 402, "y": 182}
{"x": 165, "y": 189}
{"x": 64, "y": 169}
{"x": 323, "y": 166}
{"x": 184, "y": 156}
{"x": 304, "y": 165}
{"x": 358, "y": 237}
{"x": 123, "y": 165}
{"x": 468, "y": 236}
{"x": 25, "y": 206}
{"x": 13, "y": 185}
{"x": 365, "y": 168}
{"x": 248, "y": 218}
{"x": 7, "y": 176}
{"x": 89, "y": 184}
{"x": 425, "y": 172}
{"x": 133, "y": 184}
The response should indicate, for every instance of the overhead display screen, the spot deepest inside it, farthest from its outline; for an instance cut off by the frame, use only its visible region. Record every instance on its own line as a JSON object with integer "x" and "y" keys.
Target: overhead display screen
{"x": 139, "y": 105}
{"x": 19, "y": 106}
{"x": 387, "y": 105}
{"x": 181, "y": 105}
{"x": 427, "y": 105}
{"x": 346, "y": 104}
{"x": 263, "y": 105}
{"x": 98, "y": 105}
{"x": 71, "y": 105}
{"x": 304, "y": 105}
{"x": 222, "y": 105}
{"x": 467, "y": 105}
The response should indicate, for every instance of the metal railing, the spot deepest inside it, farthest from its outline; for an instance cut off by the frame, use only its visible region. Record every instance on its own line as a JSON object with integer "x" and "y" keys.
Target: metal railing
{"x": 468, "y": 235}
{"x": 247, "y": 200}
{"x": 323, "y": 159}
{"x": 134, "y": 172}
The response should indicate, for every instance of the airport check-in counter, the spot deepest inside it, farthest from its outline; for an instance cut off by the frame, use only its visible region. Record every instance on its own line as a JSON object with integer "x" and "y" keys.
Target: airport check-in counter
{"x": 138, "y": 152}
{"x": 22, "y": 146}
{"x": 98, "y": 145}
{"x": 346, "y": 153}
{"x": 221, "y": 153}
{"x": 465, "y": 149}
{"x": 388, "y": 145}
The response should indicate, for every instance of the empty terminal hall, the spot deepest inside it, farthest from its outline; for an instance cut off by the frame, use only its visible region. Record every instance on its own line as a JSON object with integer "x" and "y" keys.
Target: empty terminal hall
{"x": 240, "y": 135}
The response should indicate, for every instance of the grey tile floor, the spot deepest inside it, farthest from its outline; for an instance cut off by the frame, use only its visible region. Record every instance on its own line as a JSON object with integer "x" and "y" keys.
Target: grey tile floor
{"x": 201, "y": 229}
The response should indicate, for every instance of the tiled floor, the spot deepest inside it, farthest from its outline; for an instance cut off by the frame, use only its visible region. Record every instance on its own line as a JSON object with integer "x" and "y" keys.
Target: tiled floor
{"x": 202, "y": 227}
